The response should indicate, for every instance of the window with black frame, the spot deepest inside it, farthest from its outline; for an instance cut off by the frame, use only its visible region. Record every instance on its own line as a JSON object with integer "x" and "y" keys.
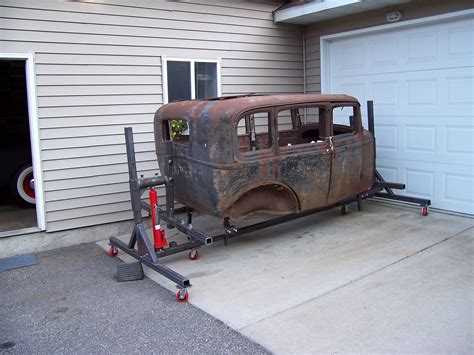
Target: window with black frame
{"x": 189, "y": 79}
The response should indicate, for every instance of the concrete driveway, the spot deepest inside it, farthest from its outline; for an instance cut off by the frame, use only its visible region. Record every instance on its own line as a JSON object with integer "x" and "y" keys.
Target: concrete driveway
{"x": 382, "y": 280}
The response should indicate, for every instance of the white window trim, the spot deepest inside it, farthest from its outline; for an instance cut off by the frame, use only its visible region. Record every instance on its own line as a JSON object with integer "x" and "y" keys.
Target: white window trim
{"x": 325, "y": 41}
{"x": 164, "y": 73}
{"x": 34, "y": 132}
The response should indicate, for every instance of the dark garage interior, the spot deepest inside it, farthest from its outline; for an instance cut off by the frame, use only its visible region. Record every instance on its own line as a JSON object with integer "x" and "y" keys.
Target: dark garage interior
{"x": 17, "y": 199}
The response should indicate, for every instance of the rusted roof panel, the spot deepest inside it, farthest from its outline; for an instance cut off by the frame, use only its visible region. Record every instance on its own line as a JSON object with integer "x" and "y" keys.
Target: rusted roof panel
{"x": 231, "y": 106}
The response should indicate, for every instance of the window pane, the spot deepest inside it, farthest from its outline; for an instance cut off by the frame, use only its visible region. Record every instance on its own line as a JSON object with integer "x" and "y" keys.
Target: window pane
{"x": 205, "y": 80}
{"x": 179, "y": 82}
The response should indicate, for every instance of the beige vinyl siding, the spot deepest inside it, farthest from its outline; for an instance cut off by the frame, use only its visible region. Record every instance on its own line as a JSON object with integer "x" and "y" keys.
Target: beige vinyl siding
{"x": 313, "y": 63}
{"x": 413, "y": 10}
{"x": 98, "y": 69}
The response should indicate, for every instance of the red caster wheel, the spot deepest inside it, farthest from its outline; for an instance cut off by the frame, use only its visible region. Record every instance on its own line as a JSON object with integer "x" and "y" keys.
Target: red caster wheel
{"x": 344, "y": 210}
{"x": 182, "y": 295}
{"x": 113, "y": 251}
{"x": 193, "y": 254}
{"x": 424, "y": 211}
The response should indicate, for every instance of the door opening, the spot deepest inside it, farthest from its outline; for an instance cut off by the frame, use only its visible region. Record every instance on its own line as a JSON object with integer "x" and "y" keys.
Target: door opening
{"x": 17, "y": 187}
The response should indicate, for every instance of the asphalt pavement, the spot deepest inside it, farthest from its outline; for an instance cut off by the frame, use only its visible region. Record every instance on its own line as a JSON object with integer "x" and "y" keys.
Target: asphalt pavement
{"x": 70, "y": 303}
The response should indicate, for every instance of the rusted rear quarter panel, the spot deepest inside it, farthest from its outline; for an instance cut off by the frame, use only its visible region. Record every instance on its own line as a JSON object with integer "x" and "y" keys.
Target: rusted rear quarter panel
{"x": 213, "y": 174}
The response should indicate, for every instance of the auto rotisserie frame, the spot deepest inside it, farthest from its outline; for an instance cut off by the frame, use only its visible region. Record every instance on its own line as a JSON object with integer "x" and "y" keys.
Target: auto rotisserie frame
{"x": 141, "y": 248}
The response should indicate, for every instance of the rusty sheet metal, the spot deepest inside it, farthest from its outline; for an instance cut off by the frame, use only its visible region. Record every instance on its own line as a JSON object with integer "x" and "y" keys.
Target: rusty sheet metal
{"x": 213, "y": 174}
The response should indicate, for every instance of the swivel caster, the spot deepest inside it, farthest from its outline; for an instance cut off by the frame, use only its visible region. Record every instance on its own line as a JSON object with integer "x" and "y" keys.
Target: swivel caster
{"x": 113, "y": 251}
{"x": 193, "y": 254}
{"x": 424, "y": 211}
{"x": 344, "y": 210}
{"x": 182, "y": 295}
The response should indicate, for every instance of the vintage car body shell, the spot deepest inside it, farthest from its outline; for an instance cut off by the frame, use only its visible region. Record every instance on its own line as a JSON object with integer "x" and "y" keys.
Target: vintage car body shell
{"x": 211, "y": 174}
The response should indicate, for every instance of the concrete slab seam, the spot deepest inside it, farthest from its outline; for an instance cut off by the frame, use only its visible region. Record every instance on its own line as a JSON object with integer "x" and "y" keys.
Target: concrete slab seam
{"x": 359, "y": 278}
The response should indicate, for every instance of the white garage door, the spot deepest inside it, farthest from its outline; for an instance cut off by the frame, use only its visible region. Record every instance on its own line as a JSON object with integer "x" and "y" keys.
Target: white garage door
{"x": 421, "y": 80}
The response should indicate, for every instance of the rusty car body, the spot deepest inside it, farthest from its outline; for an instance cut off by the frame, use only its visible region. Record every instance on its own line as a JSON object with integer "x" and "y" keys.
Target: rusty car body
{"x": 231, "y": 157}
{"x": 277, "y": 154}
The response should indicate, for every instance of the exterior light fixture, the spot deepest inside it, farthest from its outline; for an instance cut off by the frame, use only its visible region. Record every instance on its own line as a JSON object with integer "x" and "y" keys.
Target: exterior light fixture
{"x": 393, "y": 16}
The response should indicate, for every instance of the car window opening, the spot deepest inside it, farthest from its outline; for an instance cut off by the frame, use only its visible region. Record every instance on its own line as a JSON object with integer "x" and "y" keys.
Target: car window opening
{"x": 254, "y": 132}
{"x": 344, "y": 121}
{"x": 301, "y": 125}
{"x": 176, "y": 129}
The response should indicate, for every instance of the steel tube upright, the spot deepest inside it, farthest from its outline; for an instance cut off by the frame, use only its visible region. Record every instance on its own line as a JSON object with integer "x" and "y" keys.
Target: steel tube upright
{"x": 135, "y": 194}
{"x": 370, "y": 116}
{"x": 133, "y": 179}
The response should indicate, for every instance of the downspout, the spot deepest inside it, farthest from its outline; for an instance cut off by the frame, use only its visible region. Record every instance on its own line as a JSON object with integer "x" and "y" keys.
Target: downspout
{"x": 304, "y": 59}
{"x": 304, "y": 70}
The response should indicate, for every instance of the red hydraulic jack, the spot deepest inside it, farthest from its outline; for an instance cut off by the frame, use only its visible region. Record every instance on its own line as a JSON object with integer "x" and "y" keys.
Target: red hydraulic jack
{"x": 159, "y": 238}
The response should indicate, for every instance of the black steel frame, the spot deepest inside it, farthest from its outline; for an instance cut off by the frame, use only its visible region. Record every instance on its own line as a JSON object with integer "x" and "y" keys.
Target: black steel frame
{"x": 389, "y": 194}
{"x": 140, "y": 246}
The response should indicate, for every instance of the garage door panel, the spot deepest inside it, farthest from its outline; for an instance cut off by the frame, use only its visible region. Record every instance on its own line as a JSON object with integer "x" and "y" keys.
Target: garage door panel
{"x": 386, "y": 93}
{"x": 420, "y": 179}
{"x": 449, "y": 186}
{"x": 420, "y": 182}
{"x": 460, "y": 90}
{"x": 420, "y": 139}
{"x": 421, "y": 80}
{"x": 353, "y": 88}
{"x": 387, "y": 137}
{"x": 436, "y": 93}
{"x": 420, "y": 156}
{"x": 423, "y": 139}
{"x": 422, "y": 92}
{"x": 460, "y": 42}
{"x": 459, "y": 188}
{"x": 457, "y": 136}
{"x": 388, "y": 172}
{"x": 351, "y": 56}
{"x": 383, "y": 53}
{"x": 424, "y": 48}
{"x": 456, "y": 189}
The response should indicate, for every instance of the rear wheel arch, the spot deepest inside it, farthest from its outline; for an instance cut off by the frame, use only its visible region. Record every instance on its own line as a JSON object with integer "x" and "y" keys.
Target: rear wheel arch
{"x": 272, "y": 197}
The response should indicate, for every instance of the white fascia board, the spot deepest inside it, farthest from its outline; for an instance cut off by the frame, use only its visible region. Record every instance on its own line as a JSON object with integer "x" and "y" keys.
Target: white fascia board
{"x": 311, "y": 8}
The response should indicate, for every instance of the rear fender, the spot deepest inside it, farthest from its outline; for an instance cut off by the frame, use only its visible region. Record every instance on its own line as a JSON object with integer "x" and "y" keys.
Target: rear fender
{"x": 271, "y": 197}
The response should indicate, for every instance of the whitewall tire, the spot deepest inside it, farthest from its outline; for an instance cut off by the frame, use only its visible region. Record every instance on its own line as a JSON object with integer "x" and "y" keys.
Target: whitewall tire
{"x": 23, "y": 186}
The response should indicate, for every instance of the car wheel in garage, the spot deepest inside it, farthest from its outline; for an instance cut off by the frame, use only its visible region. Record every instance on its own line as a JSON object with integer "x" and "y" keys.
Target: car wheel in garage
{"x": 22, "y": 186}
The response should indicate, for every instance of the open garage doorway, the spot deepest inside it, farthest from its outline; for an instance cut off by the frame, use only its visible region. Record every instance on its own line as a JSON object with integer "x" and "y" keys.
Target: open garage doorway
{"x": 18, "y": 188}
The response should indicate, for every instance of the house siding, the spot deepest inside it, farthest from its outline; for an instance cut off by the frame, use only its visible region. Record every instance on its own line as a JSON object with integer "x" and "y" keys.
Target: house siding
{"x": 98, "y": 69}
{"x": 413, "y": 10}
